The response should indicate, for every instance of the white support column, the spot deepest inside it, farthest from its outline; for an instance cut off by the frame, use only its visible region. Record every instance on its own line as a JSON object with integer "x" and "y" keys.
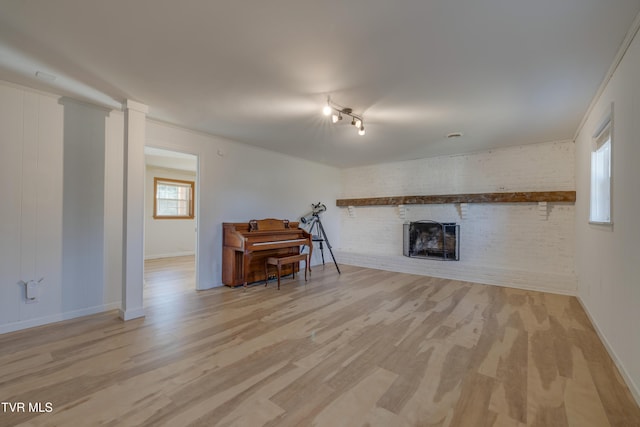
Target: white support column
{"x": 133, "y": 211}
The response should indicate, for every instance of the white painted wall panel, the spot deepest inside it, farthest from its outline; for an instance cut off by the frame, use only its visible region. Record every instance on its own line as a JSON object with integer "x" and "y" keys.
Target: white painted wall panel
{"x": 31, "y": 220}
{"x": 113, "y": 208}
{"x": 47, "y": 227}
{"x": 607, "y": 258}
{"x": 30, "y": 175}
{"x": 83, "y": 206}
{"x": 51, "y": 230}
{"x": 11, "y": 128}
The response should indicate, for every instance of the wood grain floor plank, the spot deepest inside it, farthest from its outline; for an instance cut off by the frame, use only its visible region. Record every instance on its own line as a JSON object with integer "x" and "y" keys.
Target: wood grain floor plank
{"x": 364, "y": 348}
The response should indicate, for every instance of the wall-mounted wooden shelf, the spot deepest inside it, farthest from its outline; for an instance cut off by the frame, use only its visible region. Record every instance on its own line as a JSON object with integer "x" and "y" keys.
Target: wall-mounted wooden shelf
{"x": 517, "y": 197}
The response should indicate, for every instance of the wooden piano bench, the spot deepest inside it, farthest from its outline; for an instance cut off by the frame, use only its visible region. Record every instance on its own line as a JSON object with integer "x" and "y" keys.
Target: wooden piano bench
{"x": 280, "y": 261}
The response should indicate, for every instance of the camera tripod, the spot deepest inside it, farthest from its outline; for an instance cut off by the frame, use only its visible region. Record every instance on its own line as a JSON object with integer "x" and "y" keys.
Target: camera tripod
{"x": 320, "y": 236}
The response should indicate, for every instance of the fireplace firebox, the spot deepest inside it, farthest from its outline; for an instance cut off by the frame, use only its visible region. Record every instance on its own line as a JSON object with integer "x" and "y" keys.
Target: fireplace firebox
{"x": 432, "y": 240}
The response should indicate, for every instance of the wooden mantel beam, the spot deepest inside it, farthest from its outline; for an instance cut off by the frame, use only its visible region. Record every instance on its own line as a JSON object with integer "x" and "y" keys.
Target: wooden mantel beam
{"x": 517, "y": 197}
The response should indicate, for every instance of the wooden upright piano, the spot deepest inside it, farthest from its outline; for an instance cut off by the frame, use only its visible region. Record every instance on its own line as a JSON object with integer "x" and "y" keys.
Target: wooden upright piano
{"x": 246, "y": 245}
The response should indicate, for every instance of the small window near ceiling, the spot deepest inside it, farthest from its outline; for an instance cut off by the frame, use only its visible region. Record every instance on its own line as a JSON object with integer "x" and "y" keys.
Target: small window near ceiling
{"x": 173, "y": 199}
{"x": 601, "y": 176}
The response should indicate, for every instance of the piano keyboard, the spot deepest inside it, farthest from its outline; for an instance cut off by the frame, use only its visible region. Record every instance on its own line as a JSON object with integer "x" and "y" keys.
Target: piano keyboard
{"x": 301, "y": 241}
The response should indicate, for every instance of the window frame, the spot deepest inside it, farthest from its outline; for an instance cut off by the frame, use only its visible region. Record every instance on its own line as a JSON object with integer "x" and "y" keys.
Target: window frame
{"x": 603, "y": 135}
{"x": 185, "y": 183}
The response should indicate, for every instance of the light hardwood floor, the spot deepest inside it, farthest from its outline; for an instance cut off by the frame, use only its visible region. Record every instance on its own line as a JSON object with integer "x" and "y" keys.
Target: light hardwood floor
{"x": 365, "y": 348}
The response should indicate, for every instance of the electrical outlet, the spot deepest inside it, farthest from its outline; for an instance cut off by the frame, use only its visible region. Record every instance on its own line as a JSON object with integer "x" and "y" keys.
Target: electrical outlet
{"x": 31, "y": 290}
{"x": 31, "y": 293}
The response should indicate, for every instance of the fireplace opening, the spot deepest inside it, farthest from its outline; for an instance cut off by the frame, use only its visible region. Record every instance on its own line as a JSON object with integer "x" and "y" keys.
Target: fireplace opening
{"x": 432, "y": 240}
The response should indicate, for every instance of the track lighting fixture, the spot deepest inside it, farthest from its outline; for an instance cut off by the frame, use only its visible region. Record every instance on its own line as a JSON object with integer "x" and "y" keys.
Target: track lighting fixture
{"x": 338, "y": 111}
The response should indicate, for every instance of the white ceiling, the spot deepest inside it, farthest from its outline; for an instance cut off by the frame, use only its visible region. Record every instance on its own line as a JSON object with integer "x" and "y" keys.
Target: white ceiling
{"x": 503, "y": 72}
{"x": 160, "y": 158}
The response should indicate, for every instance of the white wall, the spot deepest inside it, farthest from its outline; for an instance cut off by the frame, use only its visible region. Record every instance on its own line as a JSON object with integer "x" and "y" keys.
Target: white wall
{"x": 83, "y": 205}
{"x": 166, "y": 237}
{"x": 52, "y": 165}
{"x": 503, "y": 244}
{"x": 61, "y": 166}
{"x": 237, "y": 183}
{"x": 113, "y": 207}
{"x": 607, "y": 258}
{"x": 31, "y": 155}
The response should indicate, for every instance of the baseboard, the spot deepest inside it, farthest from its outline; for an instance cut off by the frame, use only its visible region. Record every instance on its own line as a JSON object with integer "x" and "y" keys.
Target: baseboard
{"x": 633, "y": 387}
{"x": 169, "y": 255}
{"x": 133, "y": 313}
{"x": 457, "y": 270}
{"x": 212, "y": 286}
{"x": 40, "y": 321}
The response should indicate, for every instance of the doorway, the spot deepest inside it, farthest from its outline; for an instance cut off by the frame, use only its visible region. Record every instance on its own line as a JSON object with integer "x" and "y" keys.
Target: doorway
{"x": 170, "y": 222}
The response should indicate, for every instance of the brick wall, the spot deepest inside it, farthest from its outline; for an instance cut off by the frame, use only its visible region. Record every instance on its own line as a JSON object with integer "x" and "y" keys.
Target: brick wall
{"x": 520, "y": 245}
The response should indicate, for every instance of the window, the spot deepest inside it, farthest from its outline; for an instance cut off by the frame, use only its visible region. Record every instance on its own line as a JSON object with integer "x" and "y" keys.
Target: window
{"x": 173, "y": 199}
{"x": 600, "y": 211}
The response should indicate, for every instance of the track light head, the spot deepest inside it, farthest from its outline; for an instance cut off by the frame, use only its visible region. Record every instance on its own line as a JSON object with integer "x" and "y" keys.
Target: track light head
{"x": 336, "y": 112}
